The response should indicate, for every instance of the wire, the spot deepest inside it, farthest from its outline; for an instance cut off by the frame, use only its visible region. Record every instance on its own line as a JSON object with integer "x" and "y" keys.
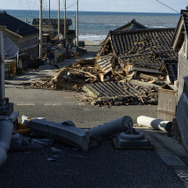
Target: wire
{"x": 71, "y": 5}
{"x": 167, "y": 6}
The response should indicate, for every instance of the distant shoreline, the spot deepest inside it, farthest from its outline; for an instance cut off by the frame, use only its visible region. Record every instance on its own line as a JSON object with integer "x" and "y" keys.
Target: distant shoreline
{"x": 102, "y": 12}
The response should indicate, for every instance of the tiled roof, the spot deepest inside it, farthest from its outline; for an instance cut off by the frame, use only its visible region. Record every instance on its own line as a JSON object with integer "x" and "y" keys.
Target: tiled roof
{"x": 104, "y": 62}
{"x": 133, "y": 25}
{"x": 152, "y": 60}
{"x": 53, "y": 22}
{"x": 15, "y": 25}
{"x": 141, "y": 41}
{"x": 118, "y": 92}
{"x": 171, "y": 68}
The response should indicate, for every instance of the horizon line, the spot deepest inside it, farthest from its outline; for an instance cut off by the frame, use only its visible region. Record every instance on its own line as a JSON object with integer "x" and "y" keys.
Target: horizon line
{"x": 90, "y": 11}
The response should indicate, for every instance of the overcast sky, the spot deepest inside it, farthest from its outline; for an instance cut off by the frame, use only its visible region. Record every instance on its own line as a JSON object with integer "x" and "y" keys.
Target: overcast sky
{"x": 99, "y": 5}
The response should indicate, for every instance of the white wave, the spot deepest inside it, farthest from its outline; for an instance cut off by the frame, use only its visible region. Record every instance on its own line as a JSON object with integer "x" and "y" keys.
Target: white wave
{"x": 92, "y": 37}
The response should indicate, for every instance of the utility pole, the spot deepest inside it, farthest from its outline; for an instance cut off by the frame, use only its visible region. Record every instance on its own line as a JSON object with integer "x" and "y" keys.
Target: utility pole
{"x": 58, "y": 17}
{"x": 77, "y": 25}
{"x": 65, "y": 24}
{"x": 2, "y": 76}
{"x": 40, "y": 31}
{"x": 49, "y": 12}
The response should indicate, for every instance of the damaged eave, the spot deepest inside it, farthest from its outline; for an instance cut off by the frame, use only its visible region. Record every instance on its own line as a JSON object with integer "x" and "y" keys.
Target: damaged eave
{"x": 112, "y": 46}
{"x": 106, "y": 42}
{"x": 178, "y": 39}
{"x": 14, "y": 33}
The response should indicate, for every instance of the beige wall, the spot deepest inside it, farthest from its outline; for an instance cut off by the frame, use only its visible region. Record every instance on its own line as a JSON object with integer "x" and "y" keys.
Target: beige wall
{"x": 182, "y": 68}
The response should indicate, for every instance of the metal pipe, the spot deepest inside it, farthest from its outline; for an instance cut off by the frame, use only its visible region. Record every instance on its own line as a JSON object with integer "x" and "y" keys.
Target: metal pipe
{"x": 155, "y": 123}
{"x": 6, "y": 128}
{"x": 2, "y": 76}
{"x": 112, "y": 127}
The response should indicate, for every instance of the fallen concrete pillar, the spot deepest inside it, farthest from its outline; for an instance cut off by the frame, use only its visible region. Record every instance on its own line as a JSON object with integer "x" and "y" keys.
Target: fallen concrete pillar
{"x": 112, "y": 127}
{"x": 68, "y": 134}
{"x": 6, "y": 128}
{"x": 155, "y": 123}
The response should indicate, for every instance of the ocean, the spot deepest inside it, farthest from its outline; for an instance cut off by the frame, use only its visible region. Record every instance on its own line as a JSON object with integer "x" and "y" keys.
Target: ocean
{"x": 94, "y": 26}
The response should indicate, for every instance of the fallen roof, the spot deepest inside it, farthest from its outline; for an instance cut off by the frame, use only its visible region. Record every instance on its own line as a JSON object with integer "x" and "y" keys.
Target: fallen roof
{"x": 16, "y": 26}
{"x": 150, "y": 60}
{"x": 141, "y": 41}
{"x": 118, "y": 93}
{"x": 133, "y": 25}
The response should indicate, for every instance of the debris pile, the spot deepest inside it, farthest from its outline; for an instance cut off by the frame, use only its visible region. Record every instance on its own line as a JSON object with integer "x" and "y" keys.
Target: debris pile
{"x": 129, "y": 69}
{"x": 45, "y": 133}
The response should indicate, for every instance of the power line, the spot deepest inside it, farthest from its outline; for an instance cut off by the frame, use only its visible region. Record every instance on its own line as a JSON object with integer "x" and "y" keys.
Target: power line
{"x": 167, "y": 6}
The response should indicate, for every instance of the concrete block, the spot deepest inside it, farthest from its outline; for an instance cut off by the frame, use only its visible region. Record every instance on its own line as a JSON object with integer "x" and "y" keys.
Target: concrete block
{"x": 68, "y": 134}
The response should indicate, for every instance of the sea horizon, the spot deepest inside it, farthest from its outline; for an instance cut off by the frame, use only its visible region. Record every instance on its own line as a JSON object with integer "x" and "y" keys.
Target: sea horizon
{"x": 95, "y": 25}
{"x": 84, "y": 11}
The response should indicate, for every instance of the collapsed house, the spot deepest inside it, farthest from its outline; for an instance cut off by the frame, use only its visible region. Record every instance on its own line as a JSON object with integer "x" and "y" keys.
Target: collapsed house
{"x": 136, "y": 54}
{"x": 50, "y": 26}
{"x": 128, "y": 69}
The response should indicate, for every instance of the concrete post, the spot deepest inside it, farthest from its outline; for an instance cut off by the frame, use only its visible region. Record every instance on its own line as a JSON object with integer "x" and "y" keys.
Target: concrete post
{"x": 155, "y": 123}
{"x": 112, "y": 127}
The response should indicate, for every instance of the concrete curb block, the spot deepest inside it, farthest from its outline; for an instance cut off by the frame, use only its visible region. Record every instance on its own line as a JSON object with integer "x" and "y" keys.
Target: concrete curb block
{"x": 68, "y": 134}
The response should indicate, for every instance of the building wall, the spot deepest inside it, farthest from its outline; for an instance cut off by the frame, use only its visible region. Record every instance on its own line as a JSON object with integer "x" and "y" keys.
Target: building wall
{"x": 28, "y": 44}
{"x": 182, "y": 68}
{"x": 13, "y": 37}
